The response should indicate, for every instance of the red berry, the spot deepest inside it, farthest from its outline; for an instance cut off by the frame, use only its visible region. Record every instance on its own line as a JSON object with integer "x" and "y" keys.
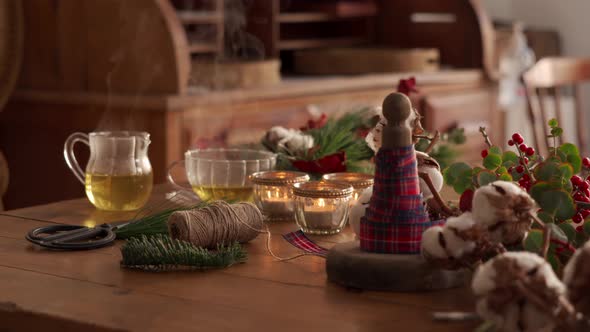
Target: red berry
{"x": 520, "y": 169}
{"x": 586, "y": 162}
{"x": 579, "y": 197}
{"x": 577, "y": 218}
{"x": 484, "y": 153}
{"x": 580, "y": 229}
{"x": 511, "y": 142}
{"x": 530, "y": 151}
{"x": 466, "y": 200}
{"x": 517, "y": 138}
{"x": 585, "y": 213}
{"x": 559, "y": 249}
{"x": 583, "y": 185}
{"x": 523, "y": 147}
{"x": 588, "y": 178}
{"x": 526, "y": 177}
{"x": 586, "y": 192}
{"x": 576, "y": 180}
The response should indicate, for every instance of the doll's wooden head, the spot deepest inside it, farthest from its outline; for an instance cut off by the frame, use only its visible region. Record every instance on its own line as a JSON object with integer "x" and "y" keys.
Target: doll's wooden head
{"x": 396, "y": 109}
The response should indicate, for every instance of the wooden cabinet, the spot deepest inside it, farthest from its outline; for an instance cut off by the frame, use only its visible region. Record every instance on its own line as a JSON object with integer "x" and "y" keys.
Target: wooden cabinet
{"x": 34, "y": 125}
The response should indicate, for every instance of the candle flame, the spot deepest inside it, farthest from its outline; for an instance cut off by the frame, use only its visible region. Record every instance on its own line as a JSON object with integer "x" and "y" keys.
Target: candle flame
{"x": 321, "y": 202}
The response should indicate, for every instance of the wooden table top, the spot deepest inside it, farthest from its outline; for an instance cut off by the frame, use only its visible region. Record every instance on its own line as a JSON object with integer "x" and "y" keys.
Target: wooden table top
{"x": 88, "y": 290}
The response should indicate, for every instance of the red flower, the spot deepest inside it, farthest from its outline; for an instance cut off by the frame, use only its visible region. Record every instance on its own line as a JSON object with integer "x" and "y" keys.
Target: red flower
{"x": 407, "y": 86}
{"x": 316, "y": 123}
{"x": 333, "y": 163}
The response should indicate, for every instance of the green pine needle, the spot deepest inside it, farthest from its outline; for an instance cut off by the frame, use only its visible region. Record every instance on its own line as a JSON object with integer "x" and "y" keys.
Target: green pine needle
{"x": 151, "y": 225}
{"x": 161, "y": 253}
{"x": 340, "y": 135}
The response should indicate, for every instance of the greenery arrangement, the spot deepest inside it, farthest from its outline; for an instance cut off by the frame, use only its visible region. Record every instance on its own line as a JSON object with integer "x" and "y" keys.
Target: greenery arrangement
{"x": 327, "y": 145}
{"x": 161, "y": 253}
{"x": 558, "y": 182}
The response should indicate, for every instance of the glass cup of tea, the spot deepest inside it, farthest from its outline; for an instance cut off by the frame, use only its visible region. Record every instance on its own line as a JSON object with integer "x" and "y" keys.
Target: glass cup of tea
{"x": 223, "y": 174}
{"x": 118, "y": 175}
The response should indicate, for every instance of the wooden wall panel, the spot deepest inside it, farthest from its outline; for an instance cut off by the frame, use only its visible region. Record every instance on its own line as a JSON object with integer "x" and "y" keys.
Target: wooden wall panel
{"x": 128, "y": 47}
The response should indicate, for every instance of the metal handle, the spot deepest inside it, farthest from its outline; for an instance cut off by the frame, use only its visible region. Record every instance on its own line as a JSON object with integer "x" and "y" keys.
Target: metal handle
{"x": 69, "y": 155}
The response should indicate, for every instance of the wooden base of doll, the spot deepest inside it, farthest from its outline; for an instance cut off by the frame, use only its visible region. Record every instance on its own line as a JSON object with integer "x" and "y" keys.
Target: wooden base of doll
{"x": 348, "y": 266}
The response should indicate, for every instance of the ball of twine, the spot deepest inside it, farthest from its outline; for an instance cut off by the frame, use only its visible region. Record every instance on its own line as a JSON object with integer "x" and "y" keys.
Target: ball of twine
{"x": 219, "y": 223}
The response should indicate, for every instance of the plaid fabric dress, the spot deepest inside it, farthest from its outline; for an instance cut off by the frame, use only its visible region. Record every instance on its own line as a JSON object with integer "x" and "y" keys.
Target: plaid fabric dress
{"x": 396, "y": 218}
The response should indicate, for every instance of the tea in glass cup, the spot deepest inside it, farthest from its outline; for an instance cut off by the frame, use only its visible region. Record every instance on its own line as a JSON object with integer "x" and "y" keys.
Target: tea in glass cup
{"x": 223, "y": 174}
{"x": 119, "y": 175}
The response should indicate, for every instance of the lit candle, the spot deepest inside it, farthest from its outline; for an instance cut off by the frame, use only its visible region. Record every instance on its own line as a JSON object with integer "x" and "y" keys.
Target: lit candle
{"x": 322, "y": 207}
{"x": 272, "y": 193}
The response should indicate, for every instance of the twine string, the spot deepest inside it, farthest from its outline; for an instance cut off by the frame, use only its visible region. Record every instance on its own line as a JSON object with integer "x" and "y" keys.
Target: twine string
{"x": 223, "y": 223}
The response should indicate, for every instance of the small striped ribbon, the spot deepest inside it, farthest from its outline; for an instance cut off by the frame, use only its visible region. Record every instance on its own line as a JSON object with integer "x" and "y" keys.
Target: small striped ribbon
{"x": 301, "y": 241}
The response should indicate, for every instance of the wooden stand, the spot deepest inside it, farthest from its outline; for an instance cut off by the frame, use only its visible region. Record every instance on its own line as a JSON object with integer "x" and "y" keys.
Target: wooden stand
{"x": 348, "y": 265}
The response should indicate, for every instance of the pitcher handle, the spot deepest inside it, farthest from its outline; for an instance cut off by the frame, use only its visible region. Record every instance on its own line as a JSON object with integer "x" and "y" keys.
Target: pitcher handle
{"x": 69, "y": 155}
{"x": 170, "y": 178}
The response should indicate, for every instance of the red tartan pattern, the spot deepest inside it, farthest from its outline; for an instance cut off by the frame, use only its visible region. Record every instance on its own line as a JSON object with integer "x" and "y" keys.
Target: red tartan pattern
{"x": 396, "y": 217}
{"x": 299, "y": 240}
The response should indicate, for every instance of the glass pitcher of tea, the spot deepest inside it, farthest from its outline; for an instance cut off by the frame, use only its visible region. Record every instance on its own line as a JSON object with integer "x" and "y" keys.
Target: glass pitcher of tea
{"x": 118, "y": 175}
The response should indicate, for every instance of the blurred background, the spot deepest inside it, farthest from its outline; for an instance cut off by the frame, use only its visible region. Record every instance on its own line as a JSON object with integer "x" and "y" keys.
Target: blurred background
{"x": 211, "y": 73}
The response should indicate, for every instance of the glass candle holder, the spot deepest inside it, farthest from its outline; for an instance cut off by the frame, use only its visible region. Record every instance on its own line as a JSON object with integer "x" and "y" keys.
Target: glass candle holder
{"x": 273, "y": 193}
{"x": 321, "y": 207}
{"x": 358, "y": 181}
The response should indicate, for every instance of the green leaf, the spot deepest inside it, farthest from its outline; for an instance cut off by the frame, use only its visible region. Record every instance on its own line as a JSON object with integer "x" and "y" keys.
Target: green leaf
{"x": 587, "y": 227}
{"x": 569, "y": 230}
{"x": 553, "y": 123}
{"x": 572, "y": 155}
{"x": 545, "y": 217}
{"x": 458, "y": 176}
{"x": 495, "y": 150}
{"x": 546, "y": 171}
{"x": 510, "y": 156}
{"x": 464, "y": 182}
{"x": 553, "y": 200}
{"x": 556, "y": 132}
{"x": 534, "y": 241}
{"x": 557, "y": 232}
{"x": 566, "y": 172}
{"x": 485, "y": 178}
{"x": 492, "y": 161}
{"x": 506, "y": 177}
{"x": 555, "y": 263}
{"x": 502, "y": 170}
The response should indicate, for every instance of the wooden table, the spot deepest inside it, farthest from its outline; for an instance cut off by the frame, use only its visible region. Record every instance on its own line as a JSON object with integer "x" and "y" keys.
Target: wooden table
{"x": 89, "y": 291}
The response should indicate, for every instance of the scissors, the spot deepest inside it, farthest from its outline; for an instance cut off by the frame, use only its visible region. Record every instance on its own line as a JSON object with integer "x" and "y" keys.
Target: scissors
{"x": 71, "y": 237}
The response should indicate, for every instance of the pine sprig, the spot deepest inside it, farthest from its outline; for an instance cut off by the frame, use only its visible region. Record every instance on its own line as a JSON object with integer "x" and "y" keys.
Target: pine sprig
{"x": 340, "y": 135}
{"x": 151, "y": 225}
{"x": 161, "y": 253}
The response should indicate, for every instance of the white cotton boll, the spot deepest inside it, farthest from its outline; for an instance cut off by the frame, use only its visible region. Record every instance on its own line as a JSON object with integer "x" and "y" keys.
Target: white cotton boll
{"x": 512, "y": 316}
{"x": 455, "y": 245}
{"x": 435, "y": 176}
{"x": 430, "y": 246}
{"x": 298, "y": 142}
{"x": 482, "y": 208}
{"x": 277, "y": 133}
{"x": 357, "y": 210}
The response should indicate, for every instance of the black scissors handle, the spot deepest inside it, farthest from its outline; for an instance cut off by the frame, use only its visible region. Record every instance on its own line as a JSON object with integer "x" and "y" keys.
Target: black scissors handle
{"x": 69, "y": 237}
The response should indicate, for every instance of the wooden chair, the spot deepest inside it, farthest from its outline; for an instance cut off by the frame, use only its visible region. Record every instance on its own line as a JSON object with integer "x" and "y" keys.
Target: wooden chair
{"x": 547, "y": 80}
